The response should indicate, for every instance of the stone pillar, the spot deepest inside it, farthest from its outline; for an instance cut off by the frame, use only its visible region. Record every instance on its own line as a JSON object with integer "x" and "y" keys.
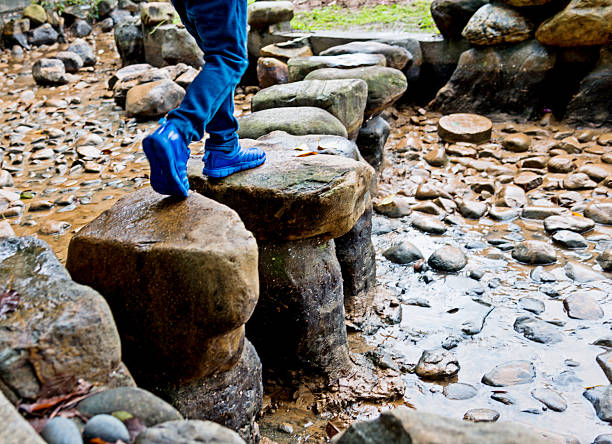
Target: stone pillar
{"x": 181, "y": 279}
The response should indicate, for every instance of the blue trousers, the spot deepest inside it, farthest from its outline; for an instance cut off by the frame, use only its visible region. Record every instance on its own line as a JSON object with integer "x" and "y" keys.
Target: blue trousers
{"x": 220, "y": 29}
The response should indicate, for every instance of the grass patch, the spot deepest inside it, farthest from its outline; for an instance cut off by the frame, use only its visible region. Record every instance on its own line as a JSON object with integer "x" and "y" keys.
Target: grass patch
{"x": 410, "y": 18}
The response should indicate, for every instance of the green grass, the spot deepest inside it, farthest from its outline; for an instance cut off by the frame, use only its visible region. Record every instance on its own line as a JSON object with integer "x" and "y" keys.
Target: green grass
{"x": 410, "y": 18}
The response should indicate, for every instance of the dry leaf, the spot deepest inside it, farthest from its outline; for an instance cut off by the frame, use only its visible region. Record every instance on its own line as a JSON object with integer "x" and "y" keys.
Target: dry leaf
{"x": 58, "y": 385}
{"x": 309, "y": 153}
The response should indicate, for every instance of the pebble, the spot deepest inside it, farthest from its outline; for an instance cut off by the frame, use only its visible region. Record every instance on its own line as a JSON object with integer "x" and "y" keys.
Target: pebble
{"x": 532, "y": 305}
{"x": 472, "y": 209}
{"x": 603, "y": 439}
{"x": 537, "y": 330}
{"x": 582, "y": 306}
{"x": 572, "y": 223}
{"x": 107, "y": 428}
{"x": 550, "y": 399}
{"x": 570, "y": 239}
{"x": 511, "y": 196}
{"x": 605, "y": 362}
{"x": 600, "y": 213}
{"x": 517, "y": 143}
{"x": 437, "y": 364}
{"x": 448, "y": 259}
{"x": 60, "y": 430}
{"x": 605, "y": 260}
{"x": 481, "y": 415}
{"x": 459, "y": 391}
{"x": 582, "y": 273}
{"x": 436, "y": 157}
{"x": 578, "y": 181}
{"x": 510, "y": 373}
{"x": 403, "y": 253}
{"x": 429, "y": 225}
{"x": 285, "y": 428}
{"x": 534, "y": 253}
{"x": 528, "y": 180}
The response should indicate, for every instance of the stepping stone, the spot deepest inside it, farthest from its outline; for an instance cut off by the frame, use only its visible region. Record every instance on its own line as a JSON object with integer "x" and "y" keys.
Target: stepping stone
{"x": 396, "y": 56}
{"x": 385, "y": 85}
{"x": 300, "y": 67}
{"x": 154, "y": 99}
{"x": 344, "y": 99}
{"x": 572, "y": 223}
{"x": 537, "y": 330}
{"x": 287, "y": 50}
{"x": 465, "y": 128}
{"x": 299, "y": 121}
{"x": 180, "y": 277}
{"x": 262, "y": 14}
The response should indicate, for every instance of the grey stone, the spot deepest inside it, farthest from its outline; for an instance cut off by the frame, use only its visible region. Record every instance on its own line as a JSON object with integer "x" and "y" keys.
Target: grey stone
{"x": 497, "y": 24}
{"x": 61, "y": 430}
{"x": 534, "y": 253}
{"x": 44, "y": 35}
{"x": 573, "y": 223}
{"x": 403, "y": 253}
{"x": 541, "y": 213}
{"x": 582, "y": 273}
{"x": 481, "y": 415}
{"x": 459, "y": 391}
{"x": 537, "y": 330}
{"x": 129, "y": 41}
{"x": 105, "y": 7}
{"x": 84, "y": 50}
{"x": 107, "y": 428}
{"x": 600, "y": 213}
{"x": 263, "y": 14}
{"x": 15, "y": 429}
{"x": 451, "y": 16}
{"x": 80, "y": 28}
{"x": 550, "y": 399}
{"x": 178, "y": 46}
{"x": 49, "y": 72}
{"x": 437, "y": 364}
{"x": 188, "y": 432}
{"x": 605, "y": 362}
{"x": 601, "y": 398}
{"x": 605, "y": 260}
{"x": 570, "y": 239}
{"x": 71, "y": 60}
{"x": 448, "y": 259}
{"x": 582, "y": 306}
{"x": 472, "y": 209}
{"x": 300, "y": 67}
{"x": 510, "y": 373}
{"x": 372, "y": 139}
{"x": 396, "y": 57}
{"x": 429, "y": 225}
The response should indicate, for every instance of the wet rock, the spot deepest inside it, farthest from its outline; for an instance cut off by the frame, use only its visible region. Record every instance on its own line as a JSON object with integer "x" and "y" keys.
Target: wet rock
{"x": 403, "y": 253}
{"x": 448, "y": 259}
{"x": 396, "y": 56}
{"x": 385, "y": 85}
{"x": 107, "y": 24}
{"x": 459, "y": 391}
{"x": 403, "y": 425}
{"x": 470, "y": 128}
{"x": 44, "y": 35}
{"x": 582, "y": 306}
{"x": 579, "y": 24}
{"x": 510, "y": 373}
{"x": 71, "y": 60}
{"x": 582, "y": 273}
{"x": 232, "y": 398}
{"x": 262, "y": 14}
{"x": 481, "y": 415}
{"x": 537, "y": 330}
{"x": 474, "y": 86}
{"x": 568, "y": 199}
{"x": 80, "y": 28}
{"x": 344, "y": 99}
{"x": 156, "y": 13}
{"x": 84, "y": 50}
{"x": 531, "y": 304}
{"x": 105, "y": 428}
{"x": 472, "y": 209}
{"x": 271, "y": 72}
{"x": 284, "y": 51}
{"x": 6, "y": 230}
{"x": 511, "y": 196}
{"x": 572, "y": 223}
{"x": 105, "y": 7}
{"x": 53, "y": 228}
{"x": 89, "y": 152}
{"x": 371, "y": 141}
{"x": 451, "y": 16}
{"x": 143, "y": 405}
{"x": 578, "y": 181}
{"x": 130, "y": 76}
{"x": 70, "y": 324}
{"x": 298, "y": 121}
{"x": 215, "y": 308}
{"x": 300, "y": 67}
{"x": 436, "y": 157}
{"x": 570, "y": 239}
{"x": 129, "y": 41}
{"x": 503, "y": 214}
{"x": 541, "y": 213}
{"x": 60, "y": 430}
{"x": 603, "y": 439}
{"x": 517, "y": 143}
{"x": 497, "y": 24}
{"x": 605, "y": 362}
{"x": 183, "y": 432}
{"x": 437, "y": 364}
{"x": 187, "y": 78}
{"x": 154, "y": 99}
{"x": 561, "y": 164}
{"x": 429, "y": 225}
{"x": 36, "y": 14}
{"x": 605, "y": 260}
{"x": 14, "y": 32}
{"x": 178, "y": 46}
{"x": 394, "y": 206}
{"x": 309, "y": 307}
{"x": 596, "y": 172}
{"x": 600, "y": 213}
{"x": 601, "y": 398}
{"x": 534, "y": 253}
{"x": 528, "y": 180}
{"x": 319, "y": 195}
{"x": 49, "y": 72}
{"x": 550, "y": 399}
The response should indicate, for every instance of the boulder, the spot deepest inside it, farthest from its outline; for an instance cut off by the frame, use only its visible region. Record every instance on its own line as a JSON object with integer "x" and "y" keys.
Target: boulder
{"x": 180, "y": 292}
{"x": 581, "y": 23}
{"x": 262, "y": 14}
{"x": 36, "y": 14}
{"x": 403, "y": 425}
{"x": 84, "y": 50}
{"x": 451, "y": 16}
{"x": 298, "y": 121}
{"x": 69, "y": 325}
{"x": 317, "y": 195}
{"x": 497, "y": 24}
{"x": 14, "y": 33}
{"x": 344, "y": 99}
{"x": 71, "y": 60}
{"x": 129, "y": 41}
{"x": 231, "y": 398}
{"x": 49, "y": 72}
{"x": 153, "y": 99}
{"x": 15, "y": 430}
{"x": 80, "y": 28}
{"x": 396, "y": 56}
{"x": 178, "y": 46}
{"x": 188, "y": 432}
{"x": 44, "y": 35}
{"x": 105, "y": 7}
{"x": 132, "y": 75}
{"x": 371, "y": 141}
{"x": 271, "y": 71}
{"x": 592, "y": 104}
{"x": 155, "y": 13}
{"x": 300, "y": 67}
{"x": 474, "y": 87}
{"x": 385, "y": 85}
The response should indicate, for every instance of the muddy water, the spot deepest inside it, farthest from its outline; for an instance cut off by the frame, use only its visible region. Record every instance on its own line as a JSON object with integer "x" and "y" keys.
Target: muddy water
{"x": 445, "y": 303}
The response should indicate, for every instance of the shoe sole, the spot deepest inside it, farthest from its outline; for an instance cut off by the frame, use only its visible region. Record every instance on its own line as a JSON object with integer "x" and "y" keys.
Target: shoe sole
{"x": 228, "y": 171}
{"x": 160, "y": 161}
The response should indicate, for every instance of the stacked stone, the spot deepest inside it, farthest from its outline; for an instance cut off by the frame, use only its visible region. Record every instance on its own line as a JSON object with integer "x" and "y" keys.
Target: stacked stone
{"x": 181, "y": 279}
{"x": 295, "y": 205}
{"x": 529, "y": 53}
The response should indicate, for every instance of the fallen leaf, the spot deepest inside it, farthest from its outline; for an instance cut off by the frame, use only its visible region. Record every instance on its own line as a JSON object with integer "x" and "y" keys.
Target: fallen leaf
{"x": 331, "y": 430}
{"x": 309, "y": 153}
{"x": 302, "y": 147}
{"x": 576, "y": 214}
{"x": 9, "y": 300}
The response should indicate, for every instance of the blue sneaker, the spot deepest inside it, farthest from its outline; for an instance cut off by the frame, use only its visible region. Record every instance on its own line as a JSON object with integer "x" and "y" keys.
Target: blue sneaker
{"x": 168, "y": 156}
{"x": 221, "y": 164}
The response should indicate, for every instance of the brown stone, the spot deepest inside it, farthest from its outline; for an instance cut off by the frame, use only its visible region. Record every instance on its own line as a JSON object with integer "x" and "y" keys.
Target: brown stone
{"x": 528, "y": 180}
{"x": 511, "y": 196}
{"x": 517, "y": 143}
{"x": 271, "y": 72}
{"x": 465, "y": 128}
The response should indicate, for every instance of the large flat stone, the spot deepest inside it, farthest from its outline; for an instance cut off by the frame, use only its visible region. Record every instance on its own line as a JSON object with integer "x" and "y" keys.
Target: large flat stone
{"x": 292, "y": 196}
{"x": 345, "y": 99}
{"x": 181, "y": 278}
{"x": 300, "y": 67}
{"x": 396, "y": 56}
{"x": 69, "y": 325}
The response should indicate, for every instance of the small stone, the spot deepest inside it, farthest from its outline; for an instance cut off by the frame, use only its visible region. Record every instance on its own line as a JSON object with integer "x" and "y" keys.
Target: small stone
{"x": 541, "y": 213}
{"x": 561, "y": 164}
{"x": 511, "y": 196}
{"x": 582, "y": 306}
{"x": 600, "y": 213}
{"x": 429, "y": 225}
{"x": 105, "y": 428}
{"x": 403, "y": 253}
{"x": 60, "y": 430}
{"x": 71, "y": 60}
{"x": 537, "y": 330}
{"x": 528, "y": 180}
{"x": 84, "y": 50}
{"x": 573, "y": 223}
{"x": 578, "y": 181}
{"x": 53, "y": 228}
{"x": 503, "y": 214}
{"x": 517, "y": 143}
{"x": 582, "y": 273}
{"x": 89, "y": 152}
{"x": 6, "y": 230}
{"x": 286, "y": 428}
{"x": 605, "y": 362}
{"x": 570, "y": 239}
{"x": 533, "y": 305}
{"x": 510, "y": 373}
{"x": 481, "y": 415}
{"x": 472, "y": 209}
{"x": 465, "y": 128}
{"x": 459, "y": 391}
{"x": 605, "y": 260}
{"x": 447, "y": 259}
{"x": 534, "y": 253}
{"x": 40, "y": 205}
{"x": 550, "y": 399}
{"x": 394, "y": 206}
{"x": 436, "y": 157}
{"x": 49, "y": 72}
{"x": 437, "y": 364}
